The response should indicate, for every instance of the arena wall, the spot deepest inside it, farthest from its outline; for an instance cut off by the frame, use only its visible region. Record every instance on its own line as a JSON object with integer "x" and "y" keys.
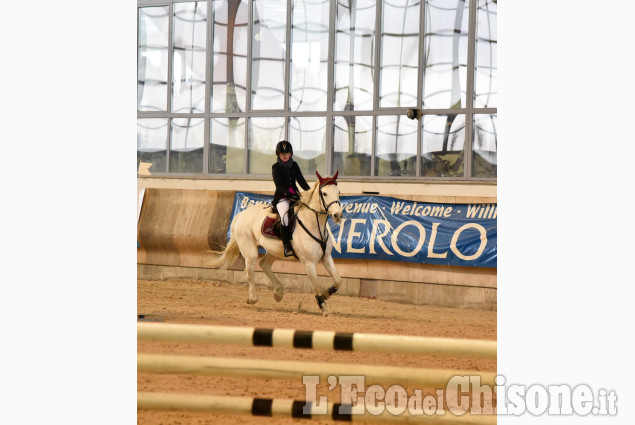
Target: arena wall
{"x": 182, "y": 221}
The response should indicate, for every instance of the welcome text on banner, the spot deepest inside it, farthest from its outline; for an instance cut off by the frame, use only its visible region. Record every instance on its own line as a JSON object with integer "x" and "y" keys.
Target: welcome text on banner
{"x": 384, "y": 228}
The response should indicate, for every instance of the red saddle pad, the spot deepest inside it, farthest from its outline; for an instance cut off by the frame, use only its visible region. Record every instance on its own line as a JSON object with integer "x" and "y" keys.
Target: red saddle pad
{"x": 271, "y": 227}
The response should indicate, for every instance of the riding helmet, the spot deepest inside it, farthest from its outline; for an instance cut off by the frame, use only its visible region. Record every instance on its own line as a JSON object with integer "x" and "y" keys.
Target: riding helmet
{"x": 284, "y": 147}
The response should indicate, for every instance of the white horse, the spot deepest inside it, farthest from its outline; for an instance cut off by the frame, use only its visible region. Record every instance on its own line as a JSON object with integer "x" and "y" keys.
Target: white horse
{"x": 310, "y": 240}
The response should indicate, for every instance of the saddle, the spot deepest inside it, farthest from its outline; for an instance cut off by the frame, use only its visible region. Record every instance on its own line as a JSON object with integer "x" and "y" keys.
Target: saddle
{"x": 271, "y": 225}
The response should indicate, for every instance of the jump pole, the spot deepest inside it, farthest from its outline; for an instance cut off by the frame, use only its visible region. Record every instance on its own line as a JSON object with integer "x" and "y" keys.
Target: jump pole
{"x": 294, "y": 409}
{"x": 318, "y": 340}
{"x": 283, "y": 369}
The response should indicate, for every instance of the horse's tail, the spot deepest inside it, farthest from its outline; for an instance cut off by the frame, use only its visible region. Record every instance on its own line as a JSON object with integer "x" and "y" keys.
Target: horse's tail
{"x": 229, "y": 254}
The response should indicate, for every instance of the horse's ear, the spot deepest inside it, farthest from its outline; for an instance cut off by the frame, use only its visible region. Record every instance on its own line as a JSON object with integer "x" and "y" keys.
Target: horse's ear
{"x": 319, "y": 177}
{"x": 336, "y": 173}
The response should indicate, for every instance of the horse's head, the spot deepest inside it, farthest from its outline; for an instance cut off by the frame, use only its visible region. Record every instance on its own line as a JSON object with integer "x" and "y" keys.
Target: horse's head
{"x": 330, "y": 196}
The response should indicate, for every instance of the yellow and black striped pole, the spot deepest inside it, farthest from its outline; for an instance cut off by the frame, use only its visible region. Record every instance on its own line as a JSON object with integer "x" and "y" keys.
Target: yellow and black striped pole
{"x": 318, "y": 340}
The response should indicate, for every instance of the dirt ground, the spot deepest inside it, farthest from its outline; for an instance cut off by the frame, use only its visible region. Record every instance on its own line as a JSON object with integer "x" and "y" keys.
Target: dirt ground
{"x": 215, "y": 303}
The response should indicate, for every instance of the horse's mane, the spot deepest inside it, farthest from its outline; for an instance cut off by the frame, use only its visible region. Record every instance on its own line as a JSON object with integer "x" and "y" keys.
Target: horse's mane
{"x": 305, "y": 197}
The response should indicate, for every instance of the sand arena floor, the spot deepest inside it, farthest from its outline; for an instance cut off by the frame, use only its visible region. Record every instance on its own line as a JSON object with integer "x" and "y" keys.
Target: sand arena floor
{"x": 215, "y": 303}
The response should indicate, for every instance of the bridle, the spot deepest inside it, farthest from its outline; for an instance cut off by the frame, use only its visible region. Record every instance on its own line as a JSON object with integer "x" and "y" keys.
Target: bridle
{"x": 324, "y": 236}
{"x": 326, "y": 207}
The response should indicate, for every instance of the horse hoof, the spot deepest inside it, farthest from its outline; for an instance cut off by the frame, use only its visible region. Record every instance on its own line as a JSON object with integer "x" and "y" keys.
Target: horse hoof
{"x": 278, "y": 296}
{"x": 250, "y": 301}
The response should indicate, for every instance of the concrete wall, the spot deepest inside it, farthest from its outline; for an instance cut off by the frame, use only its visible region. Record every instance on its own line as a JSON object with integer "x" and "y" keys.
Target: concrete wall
{"x": 183, "y": 221}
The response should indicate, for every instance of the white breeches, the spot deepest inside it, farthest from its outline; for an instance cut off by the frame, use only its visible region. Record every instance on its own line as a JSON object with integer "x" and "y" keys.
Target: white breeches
{"x": 283, "y": 209}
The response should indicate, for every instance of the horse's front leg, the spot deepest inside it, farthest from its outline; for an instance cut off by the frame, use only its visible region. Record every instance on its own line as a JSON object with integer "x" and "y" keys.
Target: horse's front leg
{"x": 312, "y": 273}
{"x": 329, "y": 265}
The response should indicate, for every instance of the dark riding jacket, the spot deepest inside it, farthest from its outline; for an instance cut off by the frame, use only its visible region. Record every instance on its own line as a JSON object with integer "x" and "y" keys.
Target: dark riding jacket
{"x": 284, "y": 177}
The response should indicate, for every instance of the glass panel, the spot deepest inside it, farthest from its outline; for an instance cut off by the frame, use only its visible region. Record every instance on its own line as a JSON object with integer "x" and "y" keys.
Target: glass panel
{"x": 308, "y": 137}
{"x": 399, "y": 53}
{"x": 152, "y": 65}
{"x": 352, "y": 143}
{"x": 229, "y": 75}
{"x": 188, "y": 63}
{"x": 309, "y": 55}
{"x": 268, "y": 54}
{"x": 186, "y": 146}
{"x": 152, "y": 142}
{"x": 445, "y": 54}
{"x": 227, "y": 146}
{"x": 264, "y": 135}
{"x": 354, "y": 54}
{"x": 442, "y": 143}
{"x": 396, "y": 152}
{"x": 485, "y": 68}
{"x": 484, "y": 146}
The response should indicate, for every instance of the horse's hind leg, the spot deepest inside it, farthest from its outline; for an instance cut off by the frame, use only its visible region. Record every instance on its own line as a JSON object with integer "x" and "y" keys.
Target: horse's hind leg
{"x": 250, "y": 266}
{"x": 329, "y": 265}
{"x": 266, "y": 263}
{"x": 312, "y": 273}
{"x": 250, "y": 253}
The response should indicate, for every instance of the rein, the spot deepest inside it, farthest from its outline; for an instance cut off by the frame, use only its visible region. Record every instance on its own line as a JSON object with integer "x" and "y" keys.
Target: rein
{"x": 324, "y": 236}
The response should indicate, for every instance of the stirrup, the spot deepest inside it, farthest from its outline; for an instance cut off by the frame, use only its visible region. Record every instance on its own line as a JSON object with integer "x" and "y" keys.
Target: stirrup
{"x": 288, "y": 252}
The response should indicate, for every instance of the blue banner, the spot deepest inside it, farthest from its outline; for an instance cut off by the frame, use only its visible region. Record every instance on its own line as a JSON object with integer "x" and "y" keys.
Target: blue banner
{"x": 383, "y": 228}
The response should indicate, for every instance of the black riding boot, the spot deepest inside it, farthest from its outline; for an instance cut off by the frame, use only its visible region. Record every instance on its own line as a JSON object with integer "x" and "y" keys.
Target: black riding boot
{"x": 285, "y": 232}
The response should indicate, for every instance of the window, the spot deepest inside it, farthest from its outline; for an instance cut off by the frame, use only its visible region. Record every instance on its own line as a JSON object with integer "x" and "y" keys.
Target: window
{"x": 221, "y": 82}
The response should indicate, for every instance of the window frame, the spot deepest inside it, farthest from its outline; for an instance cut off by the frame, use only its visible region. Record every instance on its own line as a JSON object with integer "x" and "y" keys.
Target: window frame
{"x": 329, "y": 114}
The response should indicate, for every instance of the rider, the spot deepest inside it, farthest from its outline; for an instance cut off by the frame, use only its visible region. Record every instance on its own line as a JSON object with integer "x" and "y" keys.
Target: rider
{"x": 285, "y": 173}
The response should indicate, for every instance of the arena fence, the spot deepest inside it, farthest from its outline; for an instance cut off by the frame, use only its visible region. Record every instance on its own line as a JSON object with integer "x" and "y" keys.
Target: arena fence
{"x": 318, "y": 340}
